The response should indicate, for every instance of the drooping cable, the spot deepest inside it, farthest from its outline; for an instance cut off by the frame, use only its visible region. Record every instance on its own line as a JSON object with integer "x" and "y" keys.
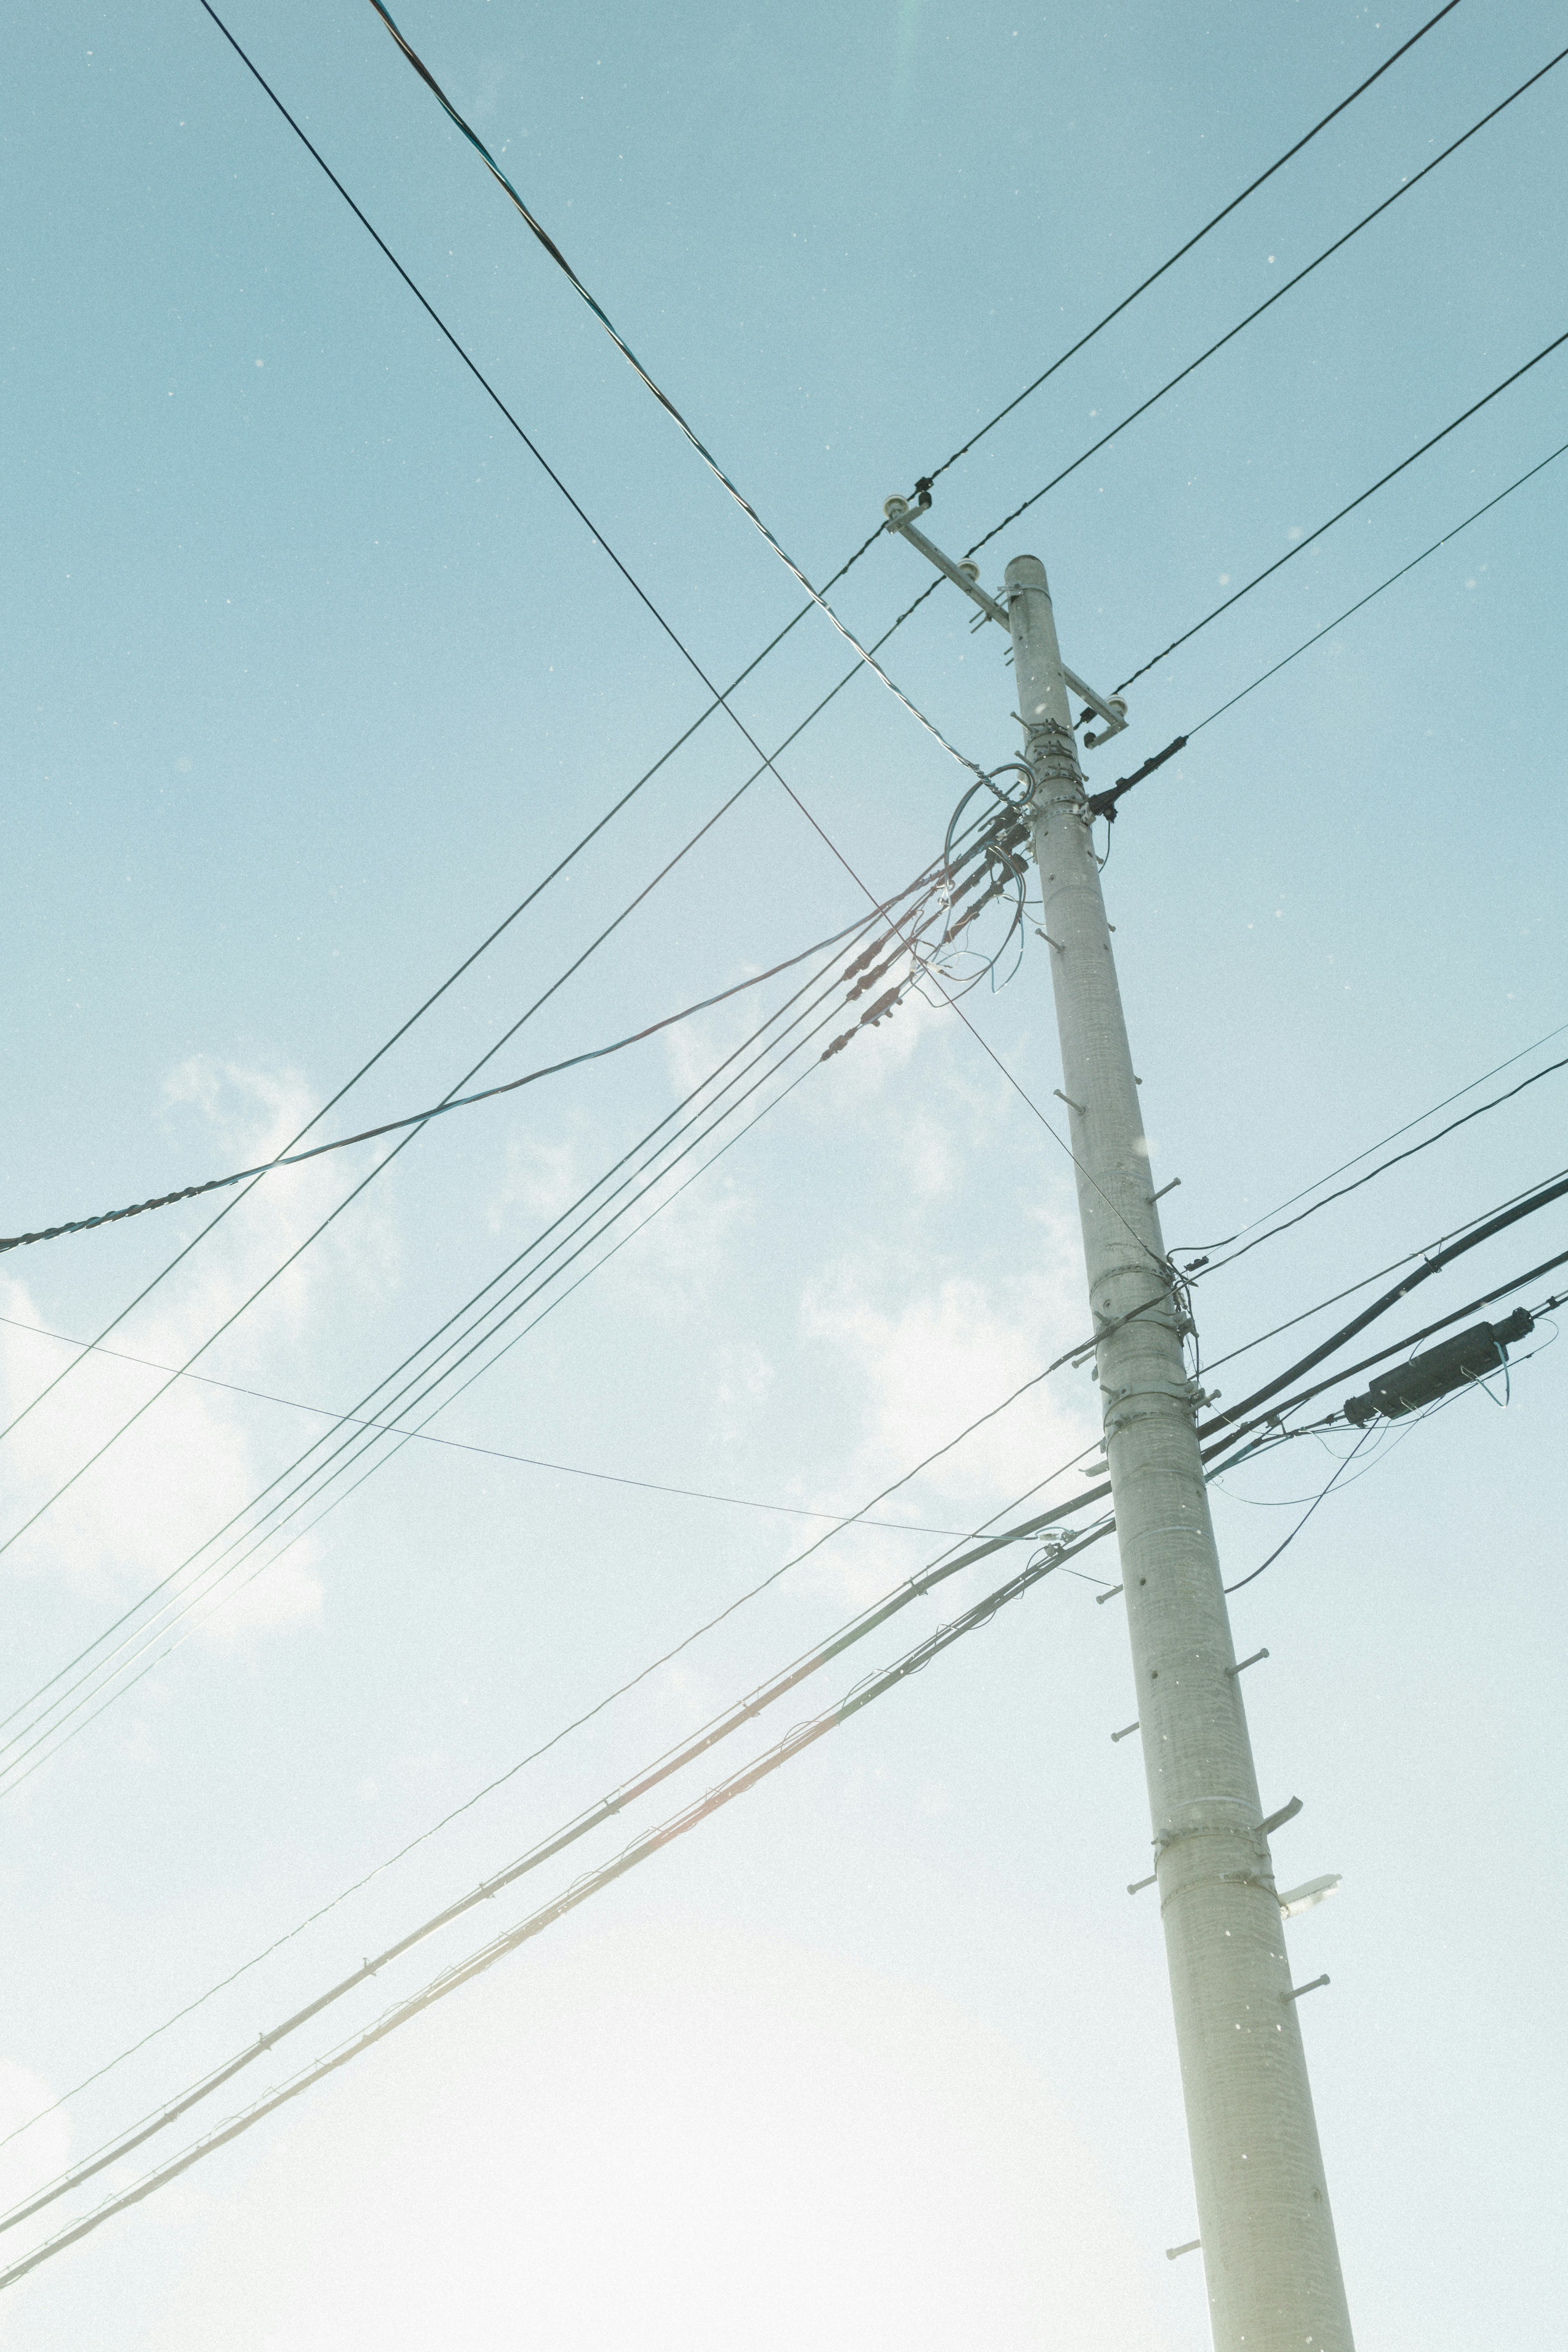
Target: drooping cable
{"x": 422, "y": 1117}
{"x": 523, "y": 1257}
{"x": 1321, "y": 1497}
{"x": 457, "y": 1444}
{"x": 183, "y": 1599}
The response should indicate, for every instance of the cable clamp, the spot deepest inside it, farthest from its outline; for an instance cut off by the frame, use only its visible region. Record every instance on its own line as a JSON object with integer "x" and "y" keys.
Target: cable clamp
{"x": 1188, "y": 1393}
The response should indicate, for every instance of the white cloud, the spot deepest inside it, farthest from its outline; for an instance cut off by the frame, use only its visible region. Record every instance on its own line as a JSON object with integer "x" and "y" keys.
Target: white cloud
{"x": 39, "y": 2154}
{"x": 197, "y": 1455}
{"x": 921, "y": 1371}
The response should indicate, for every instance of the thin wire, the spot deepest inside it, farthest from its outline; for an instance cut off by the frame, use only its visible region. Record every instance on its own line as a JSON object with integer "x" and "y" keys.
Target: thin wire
{"x": 461, "y": 1446}
{"x": 1224, "y": 214}
{"x": 185, "y": 1600}
{"x": 1431, "y": 1112}
{"x": 1383, "y": 1166}
{"x": 1312, "y": 536}
{"x": 1319, "y": 635}
{"x": 382, "y": 1166}
{"x": 1277, "y": 296}
{"x": 464, "y": 1971}
{"x": 1321, "y": 1497}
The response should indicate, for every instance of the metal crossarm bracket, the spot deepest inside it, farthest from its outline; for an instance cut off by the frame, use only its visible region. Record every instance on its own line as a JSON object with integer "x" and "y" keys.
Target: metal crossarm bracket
{"x": 966, "y": 576}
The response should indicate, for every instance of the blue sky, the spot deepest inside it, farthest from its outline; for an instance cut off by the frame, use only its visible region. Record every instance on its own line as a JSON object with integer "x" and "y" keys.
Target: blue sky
{"x": 312, "y": 675}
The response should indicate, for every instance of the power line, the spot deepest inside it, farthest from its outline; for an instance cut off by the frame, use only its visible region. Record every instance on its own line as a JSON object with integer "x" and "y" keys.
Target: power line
{"x": 186, "y": 1599}
{"x": 1317, "y": 634}
{"x": 1527, "y": 1207}
{"x": 1393, "y": 1136}
{"x": 1382, "y": 1170}
{"x": 1181, "y": 251}
{"x": 382, "y": 1165}
{"x": 462, "y": 1445}
{"x": 1278, "y": 295}
{"x": 432, "y": 1377}
{"x": 630, "y": 1791}
{"x": 1396, "y": 1347}
{"x": 936, "y": 1572}
{"x": 1302, "y": 545}
{"x": 663, "y": 398}
{"x": 291, "y": 1158}
{"x": 538, "y": 455}
{"x": 794, "y": 1744}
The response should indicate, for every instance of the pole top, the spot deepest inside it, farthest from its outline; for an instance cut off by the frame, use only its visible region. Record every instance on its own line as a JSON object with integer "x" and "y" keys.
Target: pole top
{"x": 1027, "y": 571}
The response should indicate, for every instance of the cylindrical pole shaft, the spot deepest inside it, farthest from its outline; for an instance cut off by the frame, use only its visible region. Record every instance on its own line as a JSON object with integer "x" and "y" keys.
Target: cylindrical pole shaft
{"x": 1268, "y": 2247}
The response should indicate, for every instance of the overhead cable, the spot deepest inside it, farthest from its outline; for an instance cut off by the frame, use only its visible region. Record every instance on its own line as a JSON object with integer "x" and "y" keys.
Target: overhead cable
{"x": 1359, "y": 500}
{"x": 46, "y": 1730}
{"x": 448, "y": 1103}
{"x": 1319, "y": 635}
{"x": 1410, "y": 1152}
{"x": 605, "y": 1808}
{"x": 506, "y": 1308}
{"x": 534, "y": 451}
{"x": 1393, "y": 1136}
{"x": 382, "y": 1166}
{"x": 1321, "y": 1498}
{"x": 1397, "y": 1347}
{"x": 459, "y": 1444}
{"x": 1530, "y": 1206}
{"x": 1278, "y": 295}
{"x": 463, "y": 1972}
{"x": 1183, "y": 250}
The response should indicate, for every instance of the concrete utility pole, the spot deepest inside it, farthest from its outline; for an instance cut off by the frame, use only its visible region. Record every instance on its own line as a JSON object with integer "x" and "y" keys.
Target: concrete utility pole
{"x": 1268, "y": 2236}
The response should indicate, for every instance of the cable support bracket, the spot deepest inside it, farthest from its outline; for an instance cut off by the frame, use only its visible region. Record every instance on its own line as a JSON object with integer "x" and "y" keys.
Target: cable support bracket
{"x": 1113, "y": 709}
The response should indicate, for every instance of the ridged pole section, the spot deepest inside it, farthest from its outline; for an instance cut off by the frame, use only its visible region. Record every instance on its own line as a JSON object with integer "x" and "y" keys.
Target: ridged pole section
{"x": 1268, "y": 2236}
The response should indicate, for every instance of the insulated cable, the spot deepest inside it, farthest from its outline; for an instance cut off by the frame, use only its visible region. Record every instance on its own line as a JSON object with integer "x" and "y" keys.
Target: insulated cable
{"x": 422, "y": 1117}
{"x": 185, "y": 1598}
{"x": 935, "y": 1572}
{"x": 428, "y": 1376}
{"x": 1527, "y": 1207}
{"x": 1321, "y": 1498}
{"x": 1393, "y": 1136}
{"x": 1215, "y": 1266}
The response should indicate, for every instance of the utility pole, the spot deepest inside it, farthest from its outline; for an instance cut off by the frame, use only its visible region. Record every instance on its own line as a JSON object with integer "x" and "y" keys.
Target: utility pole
{"x": 1268, "y": 2236}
